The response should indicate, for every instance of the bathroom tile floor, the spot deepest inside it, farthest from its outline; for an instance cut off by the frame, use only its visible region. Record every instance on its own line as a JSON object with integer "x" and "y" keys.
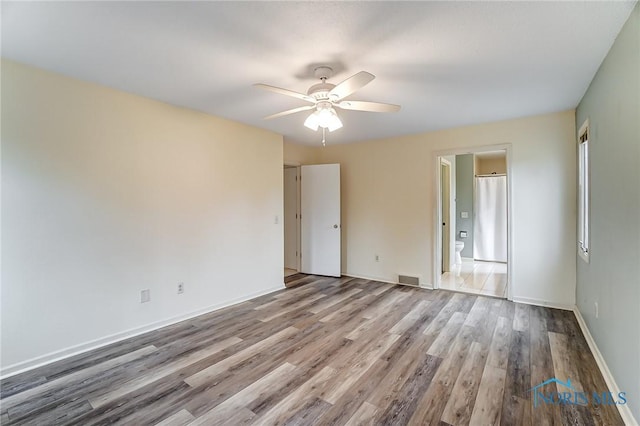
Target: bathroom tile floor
{"x": 486, "y": 278}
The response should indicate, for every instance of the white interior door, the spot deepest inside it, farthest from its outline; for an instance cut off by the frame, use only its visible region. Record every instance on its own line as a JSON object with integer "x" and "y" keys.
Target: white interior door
{"x": 320, "y": 208}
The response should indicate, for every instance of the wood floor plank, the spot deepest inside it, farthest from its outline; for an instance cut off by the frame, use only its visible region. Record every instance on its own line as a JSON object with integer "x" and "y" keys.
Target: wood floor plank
{"x": 516, "y": 408}
{"x": 181, "y": 418}
{"x": 327, "y": 351}
{"x": 385, "y": 304}
{"x": 309, "y": 413}
{"x": 445, "y": 338}
{"x": 66, "y": 399}
{"x": 399, "y": 372}
{"x": 311, "y": 389}
{"x": 478, "y": 312}
{"x": 209, "y": 373}
{"x": 460, "y": 404}
{"x": 158, "y": 373}
{"x": 11, "y": 401}
{"x": 383, "y": 322}
{"x": 433, "y": 402}
{"x": 364, "y": 416}
{"x": 541, "y": 367}
{"x": 521, "y": 318}
{"x": 541, "y": 413}
{"x": 488, "y": 404}
{"x": 354, "y": 370}
{"x": 221, "y": 414}
{"x": 499, "y": 350}
{"x": 345, "y": 311}
{"x": 404, "y": 405}
{"x": 247, "y": 371}
{"x": 410, "y": 319}
{"x": 357, "y": 394}
{"x": 334, "y": 300}
{"x": 380, "y": 288}
{"x": 279, "y": 311}
{"x": 453, "y": 304}
{"x": 563, "y": 364}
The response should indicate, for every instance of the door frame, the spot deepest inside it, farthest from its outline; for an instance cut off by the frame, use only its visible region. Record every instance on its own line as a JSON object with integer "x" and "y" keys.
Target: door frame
{"x": 288, "y": 164}
{"x": 445, "y": 266}
{"x": 436, "y": 199}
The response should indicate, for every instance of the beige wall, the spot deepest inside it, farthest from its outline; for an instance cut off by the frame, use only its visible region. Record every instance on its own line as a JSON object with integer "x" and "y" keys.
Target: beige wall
{"x": 485, "y": 166}
{"x": 388, "y": 203}
{"x": 105, "y": 194}
{"x": 296, "y": 154}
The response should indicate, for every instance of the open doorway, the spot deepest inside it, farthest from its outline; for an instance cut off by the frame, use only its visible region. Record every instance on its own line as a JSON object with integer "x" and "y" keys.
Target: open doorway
{"x": 473, "y": 219}
{"x": 291, "y": 222}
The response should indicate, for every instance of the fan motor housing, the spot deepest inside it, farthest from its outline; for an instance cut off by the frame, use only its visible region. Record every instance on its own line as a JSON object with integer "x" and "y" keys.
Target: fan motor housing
{"x": 320, "y": 90}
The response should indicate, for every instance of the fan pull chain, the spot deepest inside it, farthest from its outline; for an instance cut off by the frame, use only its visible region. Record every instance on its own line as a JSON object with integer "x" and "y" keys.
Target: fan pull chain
{"x": 323, "y": 136}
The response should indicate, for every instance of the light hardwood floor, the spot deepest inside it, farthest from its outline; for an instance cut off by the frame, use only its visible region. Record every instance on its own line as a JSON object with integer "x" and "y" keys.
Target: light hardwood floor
{"x": 486, "y": 278}
{"x": 288, "y": 272}
{"x": 325, "y": 351}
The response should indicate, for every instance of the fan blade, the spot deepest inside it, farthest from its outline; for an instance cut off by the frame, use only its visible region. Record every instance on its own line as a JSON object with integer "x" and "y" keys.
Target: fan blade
{"x": 286, "y": 92}
{"x": 350, "y": 85}
{"x": 368, "y": 106}
{"x": 290, "y": 111}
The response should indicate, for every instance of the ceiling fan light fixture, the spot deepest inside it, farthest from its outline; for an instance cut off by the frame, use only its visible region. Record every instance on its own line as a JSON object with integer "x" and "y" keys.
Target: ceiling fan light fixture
{"x": 312, "y": 122}
{"x": 334, "y": 122}
{"x": 324, "y": 97}
{"x": 325, "y": 117}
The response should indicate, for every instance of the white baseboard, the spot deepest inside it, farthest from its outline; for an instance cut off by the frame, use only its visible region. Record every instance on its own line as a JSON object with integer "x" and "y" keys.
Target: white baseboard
{"x": 544, "y": 303}
{"x": 30, "y": 364}
{"x": 382, "y": 280}
{"x": 625, "y": 411}
{"x": 362, "y": 277}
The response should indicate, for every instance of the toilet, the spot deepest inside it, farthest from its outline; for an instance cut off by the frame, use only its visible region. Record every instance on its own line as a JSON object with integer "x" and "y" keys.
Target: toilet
{"x": 459, "y": 247}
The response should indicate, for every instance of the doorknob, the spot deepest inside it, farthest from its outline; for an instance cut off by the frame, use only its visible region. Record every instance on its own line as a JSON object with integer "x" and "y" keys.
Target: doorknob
{"x": 335, "y": 226}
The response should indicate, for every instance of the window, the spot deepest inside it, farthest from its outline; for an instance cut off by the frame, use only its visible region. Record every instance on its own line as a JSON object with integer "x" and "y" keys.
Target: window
{"x": 583, "y": 191}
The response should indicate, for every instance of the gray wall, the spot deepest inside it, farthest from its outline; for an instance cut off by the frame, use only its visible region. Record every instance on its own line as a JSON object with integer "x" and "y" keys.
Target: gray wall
{"x": 612, "y": 278}
{"x": 464, "y": 201}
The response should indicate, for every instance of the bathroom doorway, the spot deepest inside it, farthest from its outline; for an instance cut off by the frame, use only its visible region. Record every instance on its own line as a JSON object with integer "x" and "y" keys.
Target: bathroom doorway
{"x": 473, "y": 238}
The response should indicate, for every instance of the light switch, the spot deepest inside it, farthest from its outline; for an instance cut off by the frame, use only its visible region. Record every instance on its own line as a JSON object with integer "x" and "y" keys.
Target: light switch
{"x": 464, "y": 215}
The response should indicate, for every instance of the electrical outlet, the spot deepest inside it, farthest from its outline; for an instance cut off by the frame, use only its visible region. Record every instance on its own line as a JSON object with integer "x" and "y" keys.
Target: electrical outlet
{"x": 180, "y": 288}
{"x": 377, "y": 258}
{"x": 145, "y": 296}
{"x": 597, "y": 310}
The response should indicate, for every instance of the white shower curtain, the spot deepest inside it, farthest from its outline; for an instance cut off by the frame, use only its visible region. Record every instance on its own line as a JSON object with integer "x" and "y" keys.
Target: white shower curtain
{"x": 490, "y": 228}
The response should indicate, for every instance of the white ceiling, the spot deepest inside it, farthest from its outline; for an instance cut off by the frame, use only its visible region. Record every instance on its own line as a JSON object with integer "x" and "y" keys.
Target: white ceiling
{"x": 448, "y": 64}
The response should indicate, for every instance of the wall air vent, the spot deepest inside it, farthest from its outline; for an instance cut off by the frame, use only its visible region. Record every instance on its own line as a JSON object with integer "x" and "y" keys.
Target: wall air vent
{"x": 409, "y": 280}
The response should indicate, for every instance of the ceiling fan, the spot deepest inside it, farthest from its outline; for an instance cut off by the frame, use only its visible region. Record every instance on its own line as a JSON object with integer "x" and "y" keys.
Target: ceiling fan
{"x": 325, "y": 97}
